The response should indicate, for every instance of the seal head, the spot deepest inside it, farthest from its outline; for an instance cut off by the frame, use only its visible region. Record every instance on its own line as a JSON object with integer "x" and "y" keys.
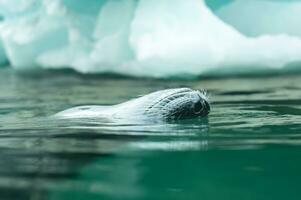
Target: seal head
{"x": 182, "y": 103}
{"x": 170, "y": 104}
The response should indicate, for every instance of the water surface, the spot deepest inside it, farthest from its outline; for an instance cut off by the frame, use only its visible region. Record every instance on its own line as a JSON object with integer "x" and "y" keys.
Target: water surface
{"x": 248, "y": 148}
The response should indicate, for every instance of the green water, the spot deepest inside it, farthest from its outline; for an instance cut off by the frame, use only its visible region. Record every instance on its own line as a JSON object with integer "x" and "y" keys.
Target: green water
{"x": 248, "y": 148}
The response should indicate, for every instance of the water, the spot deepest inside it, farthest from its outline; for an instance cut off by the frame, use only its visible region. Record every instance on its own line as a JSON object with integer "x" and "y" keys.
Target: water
{"x": 248, "y": 148}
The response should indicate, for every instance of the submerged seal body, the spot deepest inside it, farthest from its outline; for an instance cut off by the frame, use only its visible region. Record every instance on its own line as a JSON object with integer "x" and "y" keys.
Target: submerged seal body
{"x": 170, "y": 104}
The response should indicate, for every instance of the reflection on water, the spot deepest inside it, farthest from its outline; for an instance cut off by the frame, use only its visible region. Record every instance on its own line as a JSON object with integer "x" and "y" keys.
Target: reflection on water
{"x": 248, "y": 148}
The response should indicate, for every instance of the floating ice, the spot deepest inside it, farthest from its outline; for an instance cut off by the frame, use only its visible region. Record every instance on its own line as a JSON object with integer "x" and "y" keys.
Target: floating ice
{"x": 258, "y": 17}
{"x": 150, "y": 37}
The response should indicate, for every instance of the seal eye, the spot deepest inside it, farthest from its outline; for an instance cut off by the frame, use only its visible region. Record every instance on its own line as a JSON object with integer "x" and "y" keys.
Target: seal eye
{"x": 198, "y": 107}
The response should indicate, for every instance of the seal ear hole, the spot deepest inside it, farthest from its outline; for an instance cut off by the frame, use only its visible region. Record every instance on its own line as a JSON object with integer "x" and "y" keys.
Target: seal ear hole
{"x": 198, "y": 107}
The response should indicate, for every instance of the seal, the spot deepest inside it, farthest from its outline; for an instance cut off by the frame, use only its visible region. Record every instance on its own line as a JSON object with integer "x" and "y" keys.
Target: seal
{"x": 169, "y": 104}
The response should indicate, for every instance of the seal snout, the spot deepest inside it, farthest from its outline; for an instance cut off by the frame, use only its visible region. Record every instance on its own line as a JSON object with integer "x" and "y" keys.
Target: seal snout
{"x": 202, "y": 106}
{"x": 206, "y": 106}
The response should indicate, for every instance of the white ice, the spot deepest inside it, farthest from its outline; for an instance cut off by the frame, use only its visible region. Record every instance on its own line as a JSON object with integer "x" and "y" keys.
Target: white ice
{"x": 150, "y": 37}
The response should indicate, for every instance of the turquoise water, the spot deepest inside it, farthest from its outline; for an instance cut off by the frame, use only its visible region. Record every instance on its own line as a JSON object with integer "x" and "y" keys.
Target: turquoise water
{"x": 248, "y": 148}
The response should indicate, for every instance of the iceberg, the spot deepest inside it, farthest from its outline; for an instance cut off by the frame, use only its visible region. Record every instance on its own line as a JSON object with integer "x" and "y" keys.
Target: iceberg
{"x": 272, "y": 17}
{"x": 151, "y": 38}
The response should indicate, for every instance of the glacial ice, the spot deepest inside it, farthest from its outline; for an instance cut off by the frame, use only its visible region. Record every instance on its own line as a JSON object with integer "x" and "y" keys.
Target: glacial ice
{"x": 263, "y": 17}
{"x": 150, "y": 37}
